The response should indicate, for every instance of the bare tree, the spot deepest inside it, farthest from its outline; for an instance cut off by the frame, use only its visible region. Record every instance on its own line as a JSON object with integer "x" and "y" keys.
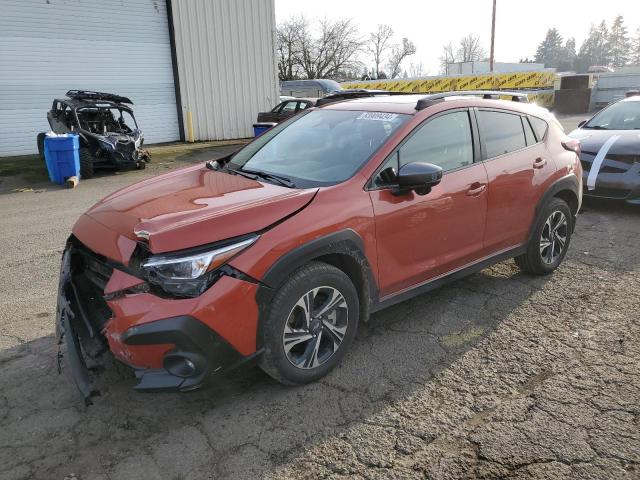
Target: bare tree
{"x": 470, "y": 50}
{"x": 398, "y": 54}
{"x": 416, "y": 70}
{"x": 334, "y": 50}
{"x": 377, "y": 44}
{"x": 448, "y": 56}
{"x": 287, "y": 48}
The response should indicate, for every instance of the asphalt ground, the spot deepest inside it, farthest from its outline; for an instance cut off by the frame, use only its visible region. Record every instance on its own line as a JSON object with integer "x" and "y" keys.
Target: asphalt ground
{"x": 499, "y": 375}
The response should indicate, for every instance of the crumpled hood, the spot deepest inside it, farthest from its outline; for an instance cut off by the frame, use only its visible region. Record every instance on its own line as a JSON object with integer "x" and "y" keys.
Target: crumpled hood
{"x": 591, "y": 140}
{"x": 187, "y": 208}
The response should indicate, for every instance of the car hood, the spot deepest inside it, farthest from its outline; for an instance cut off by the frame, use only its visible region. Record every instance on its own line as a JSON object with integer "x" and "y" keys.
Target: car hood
{"x": 627, "y": 143}
{"x": 186, "y": 208}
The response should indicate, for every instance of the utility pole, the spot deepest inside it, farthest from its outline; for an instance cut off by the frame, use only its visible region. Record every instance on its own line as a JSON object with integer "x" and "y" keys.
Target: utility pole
{"x": 493, "y": 36}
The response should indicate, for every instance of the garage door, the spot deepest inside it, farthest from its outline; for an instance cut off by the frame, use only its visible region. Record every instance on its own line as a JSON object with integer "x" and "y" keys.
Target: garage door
{"x": 50, "y": 46}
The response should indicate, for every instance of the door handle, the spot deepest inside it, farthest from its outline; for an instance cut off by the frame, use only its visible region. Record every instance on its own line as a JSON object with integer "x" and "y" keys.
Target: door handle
{"x": 476, "y": 189}
{"x": 539, "y": 163}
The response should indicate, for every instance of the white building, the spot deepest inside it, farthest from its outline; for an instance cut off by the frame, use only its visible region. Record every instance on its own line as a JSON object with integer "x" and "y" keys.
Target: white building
{"x": 193, "y": 68}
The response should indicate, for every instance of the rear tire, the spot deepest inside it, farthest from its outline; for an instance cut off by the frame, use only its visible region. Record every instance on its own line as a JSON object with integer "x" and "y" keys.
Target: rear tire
{"x": 40, "y": 141}
{"x": 303, "y": 344}
{"x": 550, "y": 240}
{"x": 86, "y": 163}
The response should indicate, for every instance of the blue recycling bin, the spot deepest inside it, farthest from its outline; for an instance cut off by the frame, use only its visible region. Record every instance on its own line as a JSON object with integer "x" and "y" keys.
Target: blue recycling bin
{"x": 260, "y": 128}
{"x": 61, "y": 154}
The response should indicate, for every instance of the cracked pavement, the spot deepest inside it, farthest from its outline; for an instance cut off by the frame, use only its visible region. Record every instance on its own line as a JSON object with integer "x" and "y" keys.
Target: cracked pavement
{"x": 499, "y": 375}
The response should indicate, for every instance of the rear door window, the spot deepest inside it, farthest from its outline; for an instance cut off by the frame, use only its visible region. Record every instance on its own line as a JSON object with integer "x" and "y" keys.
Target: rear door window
{"x": 501, "y": 132}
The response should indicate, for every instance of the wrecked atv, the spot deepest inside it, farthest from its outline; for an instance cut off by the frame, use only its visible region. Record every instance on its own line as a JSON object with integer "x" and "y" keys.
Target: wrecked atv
{"x": 109, "y": 134}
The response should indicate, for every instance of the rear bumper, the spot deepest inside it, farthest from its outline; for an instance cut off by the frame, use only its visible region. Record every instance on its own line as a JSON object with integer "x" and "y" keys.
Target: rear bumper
{"x": 162, "y": 340}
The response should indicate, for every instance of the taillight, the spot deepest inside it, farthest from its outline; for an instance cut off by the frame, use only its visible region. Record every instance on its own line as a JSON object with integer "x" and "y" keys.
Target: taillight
{"x": 573, "y": 145}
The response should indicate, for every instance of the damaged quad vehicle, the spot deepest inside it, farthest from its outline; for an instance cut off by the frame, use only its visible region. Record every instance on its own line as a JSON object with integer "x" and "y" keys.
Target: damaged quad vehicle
{"x": 109, "y": 133}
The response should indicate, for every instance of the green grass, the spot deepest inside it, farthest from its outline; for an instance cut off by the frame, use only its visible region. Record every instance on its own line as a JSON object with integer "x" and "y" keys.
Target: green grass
{"x": 29, "y": 167}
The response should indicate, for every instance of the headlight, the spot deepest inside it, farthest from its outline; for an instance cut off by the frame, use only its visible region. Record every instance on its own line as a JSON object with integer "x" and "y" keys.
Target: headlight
{"x": 106, "y": 144}
{"x": 188, "y": 275}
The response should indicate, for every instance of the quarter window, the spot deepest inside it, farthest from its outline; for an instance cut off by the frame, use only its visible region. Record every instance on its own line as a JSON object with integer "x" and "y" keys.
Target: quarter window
{"x": 502, "y": 132}
{"x": 528, "y": 131}
{"x": 539, "y": 126}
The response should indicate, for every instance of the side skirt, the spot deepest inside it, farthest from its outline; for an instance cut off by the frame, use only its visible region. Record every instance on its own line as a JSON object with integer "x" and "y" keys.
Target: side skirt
{"x": 437, "y": 282}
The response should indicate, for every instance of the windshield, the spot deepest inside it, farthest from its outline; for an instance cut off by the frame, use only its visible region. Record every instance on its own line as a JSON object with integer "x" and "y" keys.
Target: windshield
{"x": 322, "y": 147}
{"x": 619, "y": 116}
{"x": 103, "y": 120}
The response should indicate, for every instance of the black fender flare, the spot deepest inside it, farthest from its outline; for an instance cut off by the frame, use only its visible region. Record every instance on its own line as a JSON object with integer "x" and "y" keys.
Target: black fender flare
{"x": 568, "y": 183}
{"x": 344, "y": 243}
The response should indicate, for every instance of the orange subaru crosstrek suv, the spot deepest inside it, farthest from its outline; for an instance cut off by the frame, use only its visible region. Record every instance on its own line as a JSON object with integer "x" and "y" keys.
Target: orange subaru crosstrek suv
{"x": 276, "y": 253}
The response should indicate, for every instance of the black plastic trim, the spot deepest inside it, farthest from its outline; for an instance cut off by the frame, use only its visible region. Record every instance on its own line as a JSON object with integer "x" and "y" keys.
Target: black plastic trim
{"x": 425, "y": 287}
{"x": 343, "y": 242}
{"x": 570, "y": 183}
{"x": 174, "y": 65}
{"x": 211, "y": 353}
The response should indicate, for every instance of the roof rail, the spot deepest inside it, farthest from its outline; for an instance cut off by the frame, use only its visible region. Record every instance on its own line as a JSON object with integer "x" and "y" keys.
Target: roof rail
{"x": 488, "y": 94}
{"x": 339, "y": 95}
{"x": 91, "y": 95}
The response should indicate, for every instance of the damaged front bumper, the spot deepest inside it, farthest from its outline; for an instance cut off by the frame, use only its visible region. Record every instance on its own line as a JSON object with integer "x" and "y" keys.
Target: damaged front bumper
{"x": 67, "y": 335}
{"x": 179, "y": 353}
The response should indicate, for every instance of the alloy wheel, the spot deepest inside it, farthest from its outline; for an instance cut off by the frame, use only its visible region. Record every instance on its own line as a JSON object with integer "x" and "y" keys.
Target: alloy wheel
{"x": 315, "y": 328}
{"x": 554, "y": 237}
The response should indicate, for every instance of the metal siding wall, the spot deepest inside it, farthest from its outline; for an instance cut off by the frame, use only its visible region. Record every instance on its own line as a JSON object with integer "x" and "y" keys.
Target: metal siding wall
{"x": 47, "y": 48}
{"x": 226, "y": 64}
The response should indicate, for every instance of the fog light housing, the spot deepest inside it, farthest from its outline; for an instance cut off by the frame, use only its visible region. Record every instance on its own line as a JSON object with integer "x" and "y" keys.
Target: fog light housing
{"x": 182, "y": 364}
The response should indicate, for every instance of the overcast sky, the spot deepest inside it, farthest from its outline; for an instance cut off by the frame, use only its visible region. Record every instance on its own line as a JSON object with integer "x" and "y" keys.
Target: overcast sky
{"x": 520, "y": 25}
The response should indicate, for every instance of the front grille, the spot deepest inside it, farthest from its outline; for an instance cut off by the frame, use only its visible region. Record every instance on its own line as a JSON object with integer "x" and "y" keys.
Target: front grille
{"x": 90, "y": 274}
{"x": 613, "y": 163}
{"x": 126, "y": 150}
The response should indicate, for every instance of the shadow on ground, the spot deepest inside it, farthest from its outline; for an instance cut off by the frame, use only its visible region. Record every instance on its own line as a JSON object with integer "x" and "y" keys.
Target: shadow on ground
{"x": 247, "y": 424}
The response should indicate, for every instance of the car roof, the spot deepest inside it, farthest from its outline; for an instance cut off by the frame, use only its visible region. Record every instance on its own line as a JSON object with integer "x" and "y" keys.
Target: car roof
{"x": 406, "y": 104}
{"x": 324, "y": 82}
{"x": 633, "y": 98}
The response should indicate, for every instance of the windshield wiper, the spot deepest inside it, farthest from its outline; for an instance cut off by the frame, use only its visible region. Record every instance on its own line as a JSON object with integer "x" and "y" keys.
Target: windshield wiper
{"x": 215, "y": 166}
{"x": 241, "y": 173}
{"x": 278, "y": 178}
{"x": 596, "y": 127}
{"x": 252, "y": 174}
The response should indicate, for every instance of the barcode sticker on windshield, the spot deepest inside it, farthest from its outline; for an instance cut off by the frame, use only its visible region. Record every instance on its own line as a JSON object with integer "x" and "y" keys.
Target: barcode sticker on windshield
{"x": 385, "y": 117}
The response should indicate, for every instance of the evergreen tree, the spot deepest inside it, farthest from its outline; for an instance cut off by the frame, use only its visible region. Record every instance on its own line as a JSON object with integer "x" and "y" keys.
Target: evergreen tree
{"x": 549, "y": 51}
{"x": 594, "y": 49}
{"x": 603, "y": 54}
{"x": 618, "y": 44}
{"x": 634, "y": 58}
{"x": 569, "y": 55}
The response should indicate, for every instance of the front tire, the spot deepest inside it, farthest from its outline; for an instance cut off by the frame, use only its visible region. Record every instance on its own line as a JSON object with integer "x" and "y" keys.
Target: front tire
{"x": 311, "y": 322}
{"x": 550, "y": 240}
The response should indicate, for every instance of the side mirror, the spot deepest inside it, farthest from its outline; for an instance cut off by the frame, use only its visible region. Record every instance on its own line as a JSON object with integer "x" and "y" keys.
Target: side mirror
{"x": 417, "y": 176}
{"x": 582, "y": 123}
